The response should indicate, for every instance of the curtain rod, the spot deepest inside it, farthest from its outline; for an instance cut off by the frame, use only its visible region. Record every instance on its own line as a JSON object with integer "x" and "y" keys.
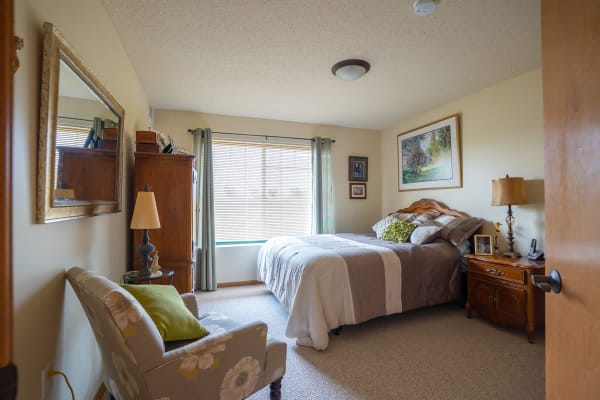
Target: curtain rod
{"x": 257, "y": 135}
{"x": 77, "y": 119}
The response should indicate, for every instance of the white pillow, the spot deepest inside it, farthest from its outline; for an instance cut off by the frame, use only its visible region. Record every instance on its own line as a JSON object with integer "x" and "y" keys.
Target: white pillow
{"x": 381, "y": 225}
{"x": 424, "y": 234}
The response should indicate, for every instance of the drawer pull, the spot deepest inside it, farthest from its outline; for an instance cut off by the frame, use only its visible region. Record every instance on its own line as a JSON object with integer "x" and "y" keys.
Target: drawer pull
{"x": 494, "y": 271}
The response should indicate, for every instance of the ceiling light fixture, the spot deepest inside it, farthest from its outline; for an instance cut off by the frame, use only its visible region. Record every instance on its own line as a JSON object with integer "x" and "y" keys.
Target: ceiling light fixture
{"x": 350, "y": 70}
{"x": 424, "y": 7}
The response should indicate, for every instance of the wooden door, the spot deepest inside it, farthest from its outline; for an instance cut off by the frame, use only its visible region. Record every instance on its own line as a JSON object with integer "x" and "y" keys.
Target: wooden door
{"x": 481, "y": 296}
{"x": 8, "y": 377}
{"x": 571, "y": 81}
{"x": 510, "y": 305}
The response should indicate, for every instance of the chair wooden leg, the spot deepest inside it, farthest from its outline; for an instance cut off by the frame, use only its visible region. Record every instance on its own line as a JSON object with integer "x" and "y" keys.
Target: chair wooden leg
{"x": 276, "y": 389}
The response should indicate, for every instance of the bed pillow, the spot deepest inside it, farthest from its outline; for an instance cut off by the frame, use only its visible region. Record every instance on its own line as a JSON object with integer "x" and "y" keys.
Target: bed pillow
{"x": 168, "y": 312}
{"x": 424, "y": 234}
{"x": 399, "y": 231}
{"x": 381, "y": 225}
{"x": 414, "y": 218}
{"x": 457, "y": 230}
{"x": 423, "y": 218}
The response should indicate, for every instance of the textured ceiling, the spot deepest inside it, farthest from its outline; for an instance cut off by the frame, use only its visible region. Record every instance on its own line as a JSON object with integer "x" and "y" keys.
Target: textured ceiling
{"x": 272, "y": 58}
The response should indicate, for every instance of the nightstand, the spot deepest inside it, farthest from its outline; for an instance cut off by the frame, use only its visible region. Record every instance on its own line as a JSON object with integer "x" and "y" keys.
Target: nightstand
{"x": 134, "y": 278}
{"x": 500, "y": 290}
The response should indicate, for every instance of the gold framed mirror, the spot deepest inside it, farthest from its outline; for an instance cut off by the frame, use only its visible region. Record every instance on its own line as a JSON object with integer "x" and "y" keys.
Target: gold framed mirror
{"x": 80, "y": 162}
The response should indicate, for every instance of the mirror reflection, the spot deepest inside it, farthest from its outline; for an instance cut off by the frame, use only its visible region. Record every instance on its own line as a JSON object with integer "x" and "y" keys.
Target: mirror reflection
{"x": 86, "y": 143}
{"x": 80, "y": 161}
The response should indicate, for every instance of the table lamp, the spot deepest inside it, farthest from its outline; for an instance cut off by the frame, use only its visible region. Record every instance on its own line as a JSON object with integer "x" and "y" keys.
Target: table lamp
{"x": 145, "y": 216}
{"x": 509, "y": 191}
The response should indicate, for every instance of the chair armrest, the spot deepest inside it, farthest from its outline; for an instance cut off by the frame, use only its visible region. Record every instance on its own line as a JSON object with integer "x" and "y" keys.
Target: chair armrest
{"x": 195, "y": 367}
{"x": 253, "y": 335}
{"x": 190, "y": 301}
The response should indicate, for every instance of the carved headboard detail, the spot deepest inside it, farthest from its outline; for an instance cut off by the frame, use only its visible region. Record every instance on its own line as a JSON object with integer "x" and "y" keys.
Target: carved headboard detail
{"x": 426, "y": 205}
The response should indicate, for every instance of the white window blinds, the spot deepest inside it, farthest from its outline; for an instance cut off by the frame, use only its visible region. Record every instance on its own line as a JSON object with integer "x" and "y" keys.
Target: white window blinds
{"x": 261, "y": 190}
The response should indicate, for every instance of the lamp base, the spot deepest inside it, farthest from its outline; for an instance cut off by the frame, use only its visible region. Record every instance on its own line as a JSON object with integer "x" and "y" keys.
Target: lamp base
{"x": 511, "y": 254}
{"x": 145, "y": 249}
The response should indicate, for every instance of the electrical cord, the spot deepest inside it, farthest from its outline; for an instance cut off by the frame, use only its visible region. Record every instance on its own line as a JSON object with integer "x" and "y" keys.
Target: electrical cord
{"x": 54, "y": 372}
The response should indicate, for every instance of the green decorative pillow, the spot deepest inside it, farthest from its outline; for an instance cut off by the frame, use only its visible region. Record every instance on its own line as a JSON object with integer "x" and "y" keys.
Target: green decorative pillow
{"x": 169, "y": 313}
{"x": 399, "y": 231}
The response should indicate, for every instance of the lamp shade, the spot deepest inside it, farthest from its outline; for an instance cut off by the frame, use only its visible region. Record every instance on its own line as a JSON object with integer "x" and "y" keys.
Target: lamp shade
{"x": 509, "y": 190}
{"x": 145, "y": 214}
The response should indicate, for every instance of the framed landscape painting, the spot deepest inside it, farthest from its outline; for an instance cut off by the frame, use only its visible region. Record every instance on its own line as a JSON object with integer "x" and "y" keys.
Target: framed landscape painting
{"x": 429, "y": 157}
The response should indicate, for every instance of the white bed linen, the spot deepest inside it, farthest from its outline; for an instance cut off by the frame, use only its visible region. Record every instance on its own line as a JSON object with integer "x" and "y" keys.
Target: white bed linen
{"x": 312, "y": 283}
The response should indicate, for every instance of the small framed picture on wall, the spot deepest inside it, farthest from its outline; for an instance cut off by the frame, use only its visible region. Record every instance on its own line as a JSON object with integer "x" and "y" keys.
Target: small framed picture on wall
{"x": 358, "y": 168}
{"x": 358, "y": 190}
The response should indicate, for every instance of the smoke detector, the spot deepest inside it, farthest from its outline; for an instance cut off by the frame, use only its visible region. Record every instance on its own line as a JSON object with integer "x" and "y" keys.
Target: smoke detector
{"x": 424, "y": 7}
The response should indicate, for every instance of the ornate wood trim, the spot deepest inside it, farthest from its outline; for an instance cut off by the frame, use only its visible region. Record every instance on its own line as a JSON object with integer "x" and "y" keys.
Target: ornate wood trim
{"x": 426, "y": 205}
{"x": 8, "y": 372}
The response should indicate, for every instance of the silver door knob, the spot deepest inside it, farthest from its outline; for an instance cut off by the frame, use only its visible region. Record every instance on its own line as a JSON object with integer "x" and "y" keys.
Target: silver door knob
{"x": 547, "y": 283}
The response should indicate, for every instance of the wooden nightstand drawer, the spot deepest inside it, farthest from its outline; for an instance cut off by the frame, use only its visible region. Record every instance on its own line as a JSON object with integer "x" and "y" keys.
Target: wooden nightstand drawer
{"x": 497, "y": 271}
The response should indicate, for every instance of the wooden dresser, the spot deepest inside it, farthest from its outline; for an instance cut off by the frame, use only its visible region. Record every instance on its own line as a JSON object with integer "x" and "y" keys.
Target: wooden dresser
{"x": 500, "y": 289}
{"x": 91, "y": 173}
{"x": 170, "y": 177}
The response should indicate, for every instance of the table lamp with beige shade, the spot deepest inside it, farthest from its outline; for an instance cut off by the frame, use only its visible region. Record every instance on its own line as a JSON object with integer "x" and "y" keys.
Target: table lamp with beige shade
{"x": 509, "y": 191}
{"x": 145, "y": 216}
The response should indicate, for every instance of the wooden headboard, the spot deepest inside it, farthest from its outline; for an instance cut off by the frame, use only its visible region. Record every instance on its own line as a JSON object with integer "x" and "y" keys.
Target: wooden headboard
{"x": 426, "y": 205}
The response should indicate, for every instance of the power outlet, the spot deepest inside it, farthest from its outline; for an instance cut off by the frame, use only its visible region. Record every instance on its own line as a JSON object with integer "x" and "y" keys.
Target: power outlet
{"x": 45, "y": 381}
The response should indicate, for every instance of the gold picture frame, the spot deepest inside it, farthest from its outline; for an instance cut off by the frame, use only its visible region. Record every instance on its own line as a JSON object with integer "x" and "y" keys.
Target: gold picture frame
{"x": 429, "y": 156}
{"x": 483, "y": 245}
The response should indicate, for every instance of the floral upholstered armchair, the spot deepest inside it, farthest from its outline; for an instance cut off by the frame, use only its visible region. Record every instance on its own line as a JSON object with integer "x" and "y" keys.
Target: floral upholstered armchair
{"x": 232, "y": 362}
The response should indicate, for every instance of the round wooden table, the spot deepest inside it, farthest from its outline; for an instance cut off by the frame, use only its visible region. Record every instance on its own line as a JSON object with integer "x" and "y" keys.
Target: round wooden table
{"x": 135, "y": 278}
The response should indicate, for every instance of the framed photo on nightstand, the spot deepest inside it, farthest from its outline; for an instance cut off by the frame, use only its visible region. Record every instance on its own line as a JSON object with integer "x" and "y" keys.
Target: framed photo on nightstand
{"x": 483, "y": 245}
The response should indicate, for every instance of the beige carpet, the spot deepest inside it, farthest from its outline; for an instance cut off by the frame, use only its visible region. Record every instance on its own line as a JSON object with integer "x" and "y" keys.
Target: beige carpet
{"x": 435, "y": 353}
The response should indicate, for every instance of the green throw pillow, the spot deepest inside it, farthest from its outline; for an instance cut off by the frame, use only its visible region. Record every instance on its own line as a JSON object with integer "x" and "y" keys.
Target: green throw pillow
{"x": 399, "y": 231}
{"x": 168, "y": 311}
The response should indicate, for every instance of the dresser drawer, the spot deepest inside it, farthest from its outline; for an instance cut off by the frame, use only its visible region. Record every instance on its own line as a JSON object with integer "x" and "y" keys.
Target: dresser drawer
{"x": 508, "y": 273}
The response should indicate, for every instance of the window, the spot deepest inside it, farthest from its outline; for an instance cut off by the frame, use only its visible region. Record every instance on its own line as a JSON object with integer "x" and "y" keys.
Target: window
{"x": 261, "y": 190}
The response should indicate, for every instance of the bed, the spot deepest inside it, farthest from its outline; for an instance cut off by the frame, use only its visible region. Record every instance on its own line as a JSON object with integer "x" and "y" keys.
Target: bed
{"x": 328, "y": 281}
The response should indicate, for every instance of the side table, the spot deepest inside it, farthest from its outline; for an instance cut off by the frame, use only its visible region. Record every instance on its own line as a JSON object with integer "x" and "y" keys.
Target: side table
{"x": 500, "y": 290}
{"x": 134, "y": 278}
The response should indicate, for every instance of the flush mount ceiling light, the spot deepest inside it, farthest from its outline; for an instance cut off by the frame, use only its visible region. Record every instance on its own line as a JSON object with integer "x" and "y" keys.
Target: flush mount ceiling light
{"x": 350, "y": 70}
{"x": 424, "y": 7}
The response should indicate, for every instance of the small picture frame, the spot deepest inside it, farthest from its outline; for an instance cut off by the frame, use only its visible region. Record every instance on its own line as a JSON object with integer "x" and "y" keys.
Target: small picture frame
{"x": 483, "y": 245}
{"x": 358, "y": 190}
{"x": 358, "y": 168}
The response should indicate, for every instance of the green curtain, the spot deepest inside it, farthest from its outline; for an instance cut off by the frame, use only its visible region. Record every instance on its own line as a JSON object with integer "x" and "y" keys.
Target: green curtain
{"x": 206, "y": 277}
{"x": 323, "y": 205}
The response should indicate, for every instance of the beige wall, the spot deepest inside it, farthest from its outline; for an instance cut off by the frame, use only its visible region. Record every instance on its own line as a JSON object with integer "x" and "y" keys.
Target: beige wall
{"x": 350, "y": 215}
{"x": 50, "y": 327}
{"x": 76, "y": 107}
{"x": 502, "y": 133}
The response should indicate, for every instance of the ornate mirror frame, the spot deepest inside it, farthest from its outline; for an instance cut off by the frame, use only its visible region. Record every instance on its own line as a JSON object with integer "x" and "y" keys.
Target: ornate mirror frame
{"x": 56, "y": 49}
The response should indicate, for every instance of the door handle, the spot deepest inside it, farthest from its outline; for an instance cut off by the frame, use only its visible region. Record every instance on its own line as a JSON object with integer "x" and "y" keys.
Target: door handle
{"x": 547, "y": 283}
